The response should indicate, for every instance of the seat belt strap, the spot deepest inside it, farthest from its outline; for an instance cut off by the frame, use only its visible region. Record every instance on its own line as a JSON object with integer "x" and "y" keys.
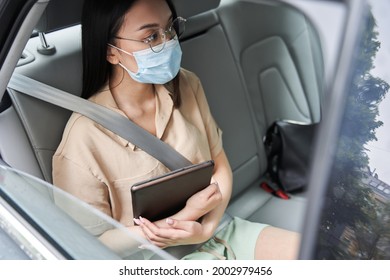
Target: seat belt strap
{"x": 109, "y": 119}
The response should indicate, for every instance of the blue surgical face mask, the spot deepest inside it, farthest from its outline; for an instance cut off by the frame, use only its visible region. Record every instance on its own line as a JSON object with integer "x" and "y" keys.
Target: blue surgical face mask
{"x": 156, "y": 68}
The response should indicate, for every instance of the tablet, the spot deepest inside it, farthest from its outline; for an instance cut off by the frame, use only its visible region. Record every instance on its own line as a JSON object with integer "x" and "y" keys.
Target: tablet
{"x": 163, "y": 196}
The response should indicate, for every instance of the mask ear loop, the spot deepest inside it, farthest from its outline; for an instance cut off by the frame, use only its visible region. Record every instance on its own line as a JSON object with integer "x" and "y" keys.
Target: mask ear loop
{"x": 119, "y": 49}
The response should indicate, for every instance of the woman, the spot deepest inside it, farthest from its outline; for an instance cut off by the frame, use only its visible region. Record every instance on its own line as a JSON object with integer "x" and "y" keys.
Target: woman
{"x": 131, "y": 60}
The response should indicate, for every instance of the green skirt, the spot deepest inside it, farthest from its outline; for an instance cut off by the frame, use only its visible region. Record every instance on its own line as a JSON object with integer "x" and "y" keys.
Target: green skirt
{"x": 237, "y": 240}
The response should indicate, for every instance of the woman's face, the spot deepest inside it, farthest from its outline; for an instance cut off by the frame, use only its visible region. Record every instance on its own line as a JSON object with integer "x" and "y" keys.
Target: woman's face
{"x": 143, "y": 20}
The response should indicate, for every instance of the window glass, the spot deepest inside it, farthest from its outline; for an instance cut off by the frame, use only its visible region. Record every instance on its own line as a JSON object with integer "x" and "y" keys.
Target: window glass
{"x": 356, "y": 220}
{"x": 42, "y": 229}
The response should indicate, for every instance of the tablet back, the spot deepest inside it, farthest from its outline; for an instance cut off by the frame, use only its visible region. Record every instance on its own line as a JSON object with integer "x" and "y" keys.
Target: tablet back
{"x": 163, "y": 196}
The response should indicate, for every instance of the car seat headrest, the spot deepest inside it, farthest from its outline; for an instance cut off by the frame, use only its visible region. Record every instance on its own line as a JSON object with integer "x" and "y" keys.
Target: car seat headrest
{"x": 60, "y": 14}
{"x": 189, "y": 8}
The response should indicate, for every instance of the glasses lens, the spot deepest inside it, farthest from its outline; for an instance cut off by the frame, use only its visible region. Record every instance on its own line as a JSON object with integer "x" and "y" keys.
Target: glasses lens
{"x": 178, "y": 27}
{"x": 159, "y": 43}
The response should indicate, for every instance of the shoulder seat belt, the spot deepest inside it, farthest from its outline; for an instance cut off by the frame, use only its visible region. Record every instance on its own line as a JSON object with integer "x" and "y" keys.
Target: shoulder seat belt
{"x": 109, "y": 119}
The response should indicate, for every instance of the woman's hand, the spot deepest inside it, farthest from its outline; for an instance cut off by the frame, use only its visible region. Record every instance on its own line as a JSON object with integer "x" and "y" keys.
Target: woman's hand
{"x": 177, "y": 232}
{"x": 204, "y": 201}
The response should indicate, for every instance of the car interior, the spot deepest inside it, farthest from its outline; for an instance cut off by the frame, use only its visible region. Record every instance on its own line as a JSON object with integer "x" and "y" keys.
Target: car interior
{"x": 259, "y": 61}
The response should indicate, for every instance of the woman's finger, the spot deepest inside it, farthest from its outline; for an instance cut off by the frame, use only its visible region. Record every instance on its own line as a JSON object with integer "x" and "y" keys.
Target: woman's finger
{"x": 154, "y": 233}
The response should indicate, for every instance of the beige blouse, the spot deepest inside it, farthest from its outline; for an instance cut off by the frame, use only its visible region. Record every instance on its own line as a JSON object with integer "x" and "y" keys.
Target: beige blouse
{"x": 99, "y": 167}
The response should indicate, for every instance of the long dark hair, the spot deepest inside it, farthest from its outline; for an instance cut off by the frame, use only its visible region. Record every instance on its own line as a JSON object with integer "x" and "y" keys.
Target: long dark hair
{"x": 101, "y": 21}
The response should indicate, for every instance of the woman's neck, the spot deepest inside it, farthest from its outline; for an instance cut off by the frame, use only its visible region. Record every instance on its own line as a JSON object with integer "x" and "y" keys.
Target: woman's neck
{"x": 128, "y": 92}
{"x": 135, "y": 99}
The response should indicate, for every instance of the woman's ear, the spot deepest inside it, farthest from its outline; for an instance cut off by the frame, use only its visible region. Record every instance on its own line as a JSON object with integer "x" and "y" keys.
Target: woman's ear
{"x": 112, "y": 55}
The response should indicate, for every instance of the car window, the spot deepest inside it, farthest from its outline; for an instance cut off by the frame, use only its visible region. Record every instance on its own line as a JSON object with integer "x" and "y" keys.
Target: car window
{"x": 9, "y": 248}
{"x": 355, "y": 223}
{"x": 31, "y": 216}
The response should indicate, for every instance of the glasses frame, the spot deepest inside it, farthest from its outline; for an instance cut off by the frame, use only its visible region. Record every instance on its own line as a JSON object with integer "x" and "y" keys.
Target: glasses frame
{"x": 170, "y": 31}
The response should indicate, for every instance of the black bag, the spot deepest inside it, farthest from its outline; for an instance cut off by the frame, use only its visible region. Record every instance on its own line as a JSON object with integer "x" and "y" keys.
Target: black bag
{"x": 288, "y": 146}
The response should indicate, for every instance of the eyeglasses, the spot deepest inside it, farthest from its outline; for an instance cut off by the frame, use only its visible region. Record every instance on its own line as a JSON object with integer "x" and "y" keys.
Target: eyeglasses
{"x": 159, "y": 37}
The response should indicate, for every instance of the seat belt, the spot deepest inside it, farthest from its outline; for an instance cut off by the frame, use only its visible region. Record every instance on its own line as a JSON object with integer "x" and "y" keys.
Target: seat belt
{"x": 109, "y": 119}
